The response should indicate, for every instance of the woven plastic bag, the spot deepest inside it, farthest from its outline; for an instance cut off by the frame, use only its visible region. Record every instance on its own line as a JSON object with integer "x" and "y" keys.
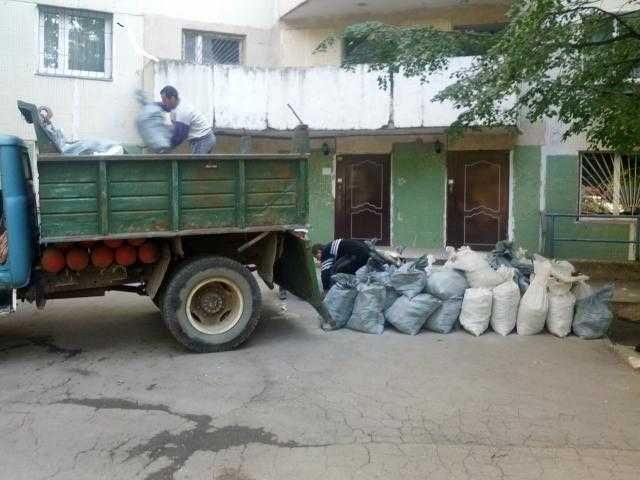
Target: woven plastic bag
{"x": 489, "y": 278}
{"x": 408, "y": 315}
{"x": 367, "y": 313}
{"x": 534, "y": 305}
{"x": 151, "y": 126}
{"x": 561, "y": 307}
{"x": 446, "y": 283}
{"x": 476, "y": 310}
{"x": 593, "y": 315}
{"x": 445, "y": 318}
{"x": 341, "y": 298}
{"x": 411, "y": 278}
{"x": 504, "y": 311}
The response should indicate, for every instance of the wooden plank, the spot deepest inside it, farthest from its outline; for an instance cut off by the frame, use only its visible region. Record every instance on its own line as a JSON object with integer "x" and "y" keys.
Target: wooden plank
{"x": 69, "y": 205}
{"x": 192, "y": 187}
{"x": 127, "y": 189}
{"x": 153, "y": 171}
{"x": 131, "y": 222}
{"x": 196, "y": 219}
{"x": 270, "y": 216}
{"x": 272, "y": 169}
{"x": 271, "y": 186}
{"x": 68, "y": 172}
{"x": 213, "y": 170}
{"x": 68, "y": 190}
{"x": 209, "y": 201}
{"x": 139, "y": 204}
{"x": 182, "y": 157}
{"x": 266, "y": 200}
{"x": 65, "y": 225}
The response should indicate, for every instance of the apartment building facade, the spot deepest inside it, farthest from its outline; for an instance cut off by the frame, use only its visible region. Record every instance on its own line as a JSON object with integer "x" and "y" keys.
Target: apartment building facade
{"x": 382, "y": 164}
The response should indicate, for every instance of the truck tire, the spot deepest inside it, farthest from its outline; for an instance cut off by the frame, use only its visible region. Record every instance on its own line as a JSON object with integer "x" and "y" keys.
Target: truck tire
{"x": 211, "y": 304}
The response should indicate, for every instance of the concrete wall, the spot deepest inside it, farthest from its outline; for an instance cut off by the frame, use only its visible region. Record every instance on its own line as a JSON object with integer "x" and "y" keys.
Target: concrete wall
{"x": 81, "y": 107}
{"x": 526, "y": 196}
{"x": 298, "y": 40}
{"x": 326, "y": 98}
{"x": 418, "y": 196}
{"x": 562, "y": 196}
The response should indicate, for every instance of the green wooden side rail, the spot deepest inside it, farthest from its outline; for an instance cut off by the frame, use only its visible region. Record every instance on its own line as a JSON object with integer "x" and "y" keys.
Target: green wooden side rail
{"x": 95, "y": 197}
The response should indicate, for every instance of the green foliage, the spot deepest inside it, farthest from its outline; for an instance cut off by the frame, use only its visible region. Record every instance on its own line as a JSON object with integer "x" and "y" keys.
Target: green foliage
{"x": 567, "y": 59}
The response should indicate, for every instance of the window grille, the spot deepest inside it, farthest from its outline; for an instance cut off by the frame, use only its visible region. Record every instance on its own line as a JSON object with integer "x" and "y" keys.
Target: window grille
{"x": 75, "y": 43}
{"x": 211, "y": 48}
{"x": 610, "y": 184}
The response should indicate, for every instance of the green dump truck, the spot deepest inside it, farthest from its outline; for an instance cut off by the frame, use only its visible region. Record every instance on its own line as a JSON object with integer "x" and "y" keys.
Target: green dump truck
{"x": 209, "y": 221}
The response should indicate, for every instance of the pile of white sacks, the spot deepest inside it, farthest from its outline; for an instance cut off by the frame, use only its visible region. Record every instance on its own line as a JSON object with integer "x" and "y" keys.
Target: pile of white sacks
{"x": 556, "y": 298}
{"x": 469, "y": 290}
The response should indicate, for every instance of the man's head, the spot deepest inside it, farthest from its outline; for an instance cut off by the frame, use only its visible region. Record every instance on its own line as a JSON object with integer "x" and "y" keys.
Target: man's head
{"x": 170, "y": 98}
{"x": 316, "y": 251}
{"x": 45, "y": 113}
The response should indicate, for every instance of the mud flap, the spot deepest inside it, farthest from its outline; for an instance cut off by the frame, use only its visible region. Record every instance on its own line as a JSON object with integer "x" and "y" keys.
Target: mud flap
{"x": 8, "y": 301}
{"x": 295, "y": 271}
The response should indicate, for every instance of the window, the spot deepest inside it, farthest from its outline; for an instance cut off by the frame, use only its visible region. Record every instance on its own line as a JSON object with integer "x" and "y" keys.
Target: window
{"x": 75, "y": 43}
{"x": 609, "y": 184}
{"x": 211, "y": 48}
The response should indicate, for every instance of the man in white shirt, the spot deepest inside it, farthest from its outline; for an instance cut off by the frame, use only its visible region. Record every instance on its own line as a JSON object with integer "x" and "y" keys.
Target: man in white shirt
{"x": 188, "y": 124}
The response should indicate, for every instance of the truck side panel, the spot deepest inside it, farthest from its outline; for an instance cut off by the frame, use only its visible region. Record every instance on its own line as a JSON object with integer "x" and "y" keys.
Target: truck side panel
{"x": 150, "y": 195}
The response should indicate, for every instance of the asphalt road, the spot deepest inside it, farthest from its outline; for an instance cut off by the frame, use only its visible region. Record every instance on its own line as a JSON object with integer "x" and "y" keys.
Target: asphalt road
{"x": 98, "y": 389}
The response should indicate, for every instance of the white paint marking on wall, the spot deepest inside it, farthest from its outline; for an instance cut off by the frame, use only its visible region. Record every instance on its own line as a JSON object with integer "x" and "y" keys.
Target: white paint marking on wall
{"x": 511, "y": 225}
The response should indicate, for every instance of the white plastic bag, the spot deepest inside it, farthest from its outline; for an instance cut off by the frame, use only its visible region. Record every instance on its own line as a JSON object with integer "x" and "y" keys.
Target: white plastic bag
{"x": 466, "y": 260}
{"x": 561, "y": 306}
{"x": 476, "y": 310}
{"x": 506, "y": 299}
{"x": 534, "y": 306}
{"x": 489, "y": 278}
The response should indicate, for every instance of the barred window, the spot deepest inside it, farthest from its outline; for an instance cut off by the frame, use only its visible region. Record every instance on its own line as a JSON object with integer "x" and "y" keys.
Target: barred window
{"x": 75, "y": 43}
{"x": 208, "y": 48}
{"x": 610, "y": 184}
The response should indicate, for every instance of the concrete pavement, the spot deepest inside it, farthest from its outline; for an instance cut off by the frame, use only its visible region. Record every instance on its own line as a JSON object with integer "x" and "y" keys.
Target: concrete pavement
{"x": 98, "y": 389}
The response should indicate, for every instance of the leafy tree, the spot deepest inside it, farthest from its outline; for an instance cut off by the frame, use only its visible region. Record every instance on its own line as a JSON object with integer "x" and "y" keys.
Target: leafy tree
{"x": 569, "y": 59}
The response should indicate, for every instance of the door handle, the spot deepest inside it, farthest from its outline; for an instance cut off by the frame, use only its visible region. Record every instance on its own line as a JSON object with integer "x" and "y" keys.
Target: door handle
{"x": 451, "y": 182}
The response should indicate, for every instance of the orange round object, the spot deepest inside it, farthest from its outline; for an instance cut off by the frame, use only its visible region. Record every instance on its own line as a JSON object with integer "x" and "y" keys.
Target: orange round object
{"x": 148, "y": 253}
{"x": 136, "y": 242}
{"x": 126, "y": 255}
{"x": 64, "y": 247}
{"x": 102, "y": 257}
{"x": 87, "y": 243}
{"x": 113, "y": 243}
{"x": 77, "y": 259}
{"x": 52, "y": 260}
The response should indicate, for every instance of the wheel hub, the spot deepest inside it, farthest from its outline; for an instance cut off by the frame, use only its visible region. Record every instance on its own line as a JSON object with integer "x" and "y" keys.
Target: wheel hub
{"x": 211, "y": 302}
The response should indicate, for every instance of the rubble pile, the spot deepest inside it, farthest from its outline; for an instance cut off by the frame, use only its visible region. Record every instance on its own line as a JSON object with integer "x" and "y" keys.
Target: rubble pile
{"x": 505, "y": 291}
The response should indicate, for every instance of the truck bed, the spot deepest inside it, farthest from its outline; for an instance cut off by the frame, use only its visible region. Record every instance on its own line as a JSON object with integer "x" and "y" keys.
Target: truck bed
{"x": 127, "y": 196}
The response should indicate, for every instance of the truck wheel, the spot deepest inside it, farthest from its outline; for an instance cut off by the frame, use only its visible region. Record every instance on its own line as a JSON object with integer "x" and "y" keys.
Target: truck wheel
{"x": 211, "y": 304}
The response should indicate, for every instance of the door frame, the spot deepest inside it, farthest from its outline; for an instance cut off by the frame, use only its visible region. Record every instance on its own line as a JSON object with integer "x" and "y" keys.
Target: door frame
{"x": 449, "y": 205}
{"x": 340, "y": 198}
